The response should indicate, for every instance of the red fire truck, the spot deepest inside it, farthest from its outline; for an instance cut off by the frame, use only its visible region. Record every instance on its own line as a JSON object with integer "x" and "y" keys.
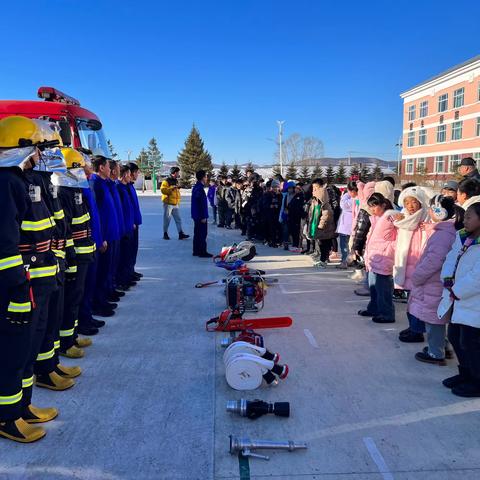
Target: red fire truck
{"x": 78, "y": 126}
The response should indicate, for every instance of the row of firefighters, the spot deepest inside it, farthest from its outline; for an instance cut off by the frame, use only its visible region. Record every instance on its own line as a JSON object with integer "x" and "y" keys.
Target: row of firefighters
{"x": 68, "y": 247}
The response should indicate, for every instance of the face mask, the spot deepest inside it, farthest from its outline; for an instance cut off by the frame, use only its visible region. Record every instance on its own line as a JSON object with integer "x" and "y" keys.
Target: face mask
{"x": 17, "y": 157}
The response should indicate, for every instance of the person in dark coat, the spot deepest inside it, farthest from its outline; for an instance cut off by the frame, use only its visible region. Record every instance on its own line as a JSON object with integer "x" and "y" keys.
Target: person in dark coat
{"x": 199, "y": 212}
{"x": 295, "y": 214}
{"x": 468, "y": 168}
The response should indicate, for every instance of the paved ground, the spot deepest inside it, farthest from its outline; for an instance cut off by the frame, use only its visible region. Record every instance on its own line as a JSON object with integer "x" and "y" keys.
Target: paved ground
{"x": 151, "y": 401}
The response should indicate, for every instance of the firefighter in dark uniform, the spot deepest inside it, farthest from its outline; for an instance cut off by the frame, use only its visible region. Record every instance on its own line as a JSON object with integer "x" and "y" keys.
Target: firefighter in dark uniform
{"x": 78, "y": 218}
{"x": 49, "y": 373}
{"x": 28, "y": 272}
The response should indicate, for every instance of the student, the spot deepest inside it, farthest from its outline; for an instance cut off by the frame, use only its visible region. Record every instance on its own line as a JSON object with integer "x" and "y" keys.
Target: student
{"x": 468, "y": 192}
{"x": 344, "y": 227}
{"x": 295, "y": 213}
{"x": 171, "y": 203}
{"x": 321, "y": 225}
{"x": 411, "y": 240}
{"x": 426, "y": 291}
{"x": 287, "y": 196}
{"x": 229, "y": 195}
{"x": 461, "y": 304}
{"x": 238, "y": 186}
{"x": 271, "y": 202}
{"x": 212, "y": 199}
{"x": 379, "y": 260}
{"x": 450, "y": 189}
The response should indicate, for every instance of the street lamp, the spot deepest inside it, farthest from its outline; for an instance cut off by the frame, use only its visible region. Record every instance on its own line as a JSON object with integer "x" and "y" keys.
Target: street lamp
{"x": 280, "y": 133}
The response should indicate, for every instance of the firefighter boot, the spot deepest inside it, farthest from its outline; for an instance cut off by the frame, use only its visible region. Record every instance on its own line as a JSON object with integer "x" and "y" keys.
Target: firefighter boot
{"x": 72, "y": 352}
{"x": 32, "y": 414}
{"x": 68, "y": 372}
{"x": 83, "y": 342}
{"x": 20, "y": 431}
{"x": 53, "y": 381}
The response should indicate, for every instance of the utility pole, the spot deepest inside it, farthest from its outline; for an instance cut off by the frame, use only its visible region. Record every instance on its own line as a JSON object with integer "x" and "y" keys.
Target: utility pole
{"x": 280, "y": 133}
{"x": 129, "y": 152}
{"x": 399, "y": 158}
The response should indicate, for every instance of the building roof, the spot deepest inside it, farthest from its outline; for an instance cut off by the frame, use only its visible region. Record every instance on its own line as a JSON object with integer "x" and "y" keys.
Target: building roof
{"x": 444, "y": 73}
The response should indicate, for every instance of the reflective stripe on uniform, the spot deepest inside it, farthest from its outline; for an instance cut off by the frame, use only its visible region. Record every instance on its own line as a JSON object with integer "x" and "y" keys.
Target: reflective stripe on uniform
{"x": 59, "y": 253}
{"x": 41, "y": 272}
{"x": 71, "y": 269}
{"x": 27, "y": 382}
{"x": 39, "y": 225}
{"x": 59, "y": 215}
{"x": 84, "y": 250}
{"x": 11, "y": 399}
{"x": 56, "y": 344}
{"x": 67, "y": 333}
{"x": 20, "y": 307}
{"x": 46, "y": 355}
{"x": 10, "y": 262}
{"x": 69, "y": 242}
{"x": 79, "y": 220}
{"x": 76, "y": 323}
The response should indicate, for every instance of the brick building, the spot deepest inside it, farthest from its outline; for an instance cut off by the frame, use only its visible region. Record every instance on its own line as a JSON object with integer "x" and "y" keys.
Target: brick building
{"x": 441, "y": 122}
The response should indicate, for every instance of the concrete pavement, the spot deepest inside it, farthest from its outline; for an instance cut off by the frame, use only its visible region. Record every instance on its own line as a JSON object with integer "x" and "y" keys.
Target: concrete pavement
{"x": 151, "y": 401}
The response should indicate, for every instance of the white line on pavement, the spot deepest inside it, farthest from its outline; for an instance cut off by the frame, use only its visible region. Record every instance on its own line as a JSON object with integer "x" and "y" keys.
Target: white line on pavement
{"x": 377, "y": 458}
{"x": 359, "y": 300}
{"x": 310, "y": 338}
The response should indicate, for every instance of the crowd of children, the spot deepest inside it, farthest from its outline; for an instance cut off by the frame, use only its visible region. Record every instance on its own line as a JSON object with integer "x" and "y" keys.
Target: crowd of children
{"x": 409, "y": 244}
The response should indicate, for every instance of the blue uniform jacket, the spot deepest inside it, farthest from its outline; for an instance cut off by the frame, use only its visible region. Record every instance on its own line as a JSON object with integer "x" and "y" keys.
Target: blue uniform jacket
{"x": 118, "y": 207}
{"x": 137, "y": 214}
{"x": 106, "y": 208}
{"x": 94, "y": 216}
{"x": 127, "y": 207}
{"x": 199, "y": 202}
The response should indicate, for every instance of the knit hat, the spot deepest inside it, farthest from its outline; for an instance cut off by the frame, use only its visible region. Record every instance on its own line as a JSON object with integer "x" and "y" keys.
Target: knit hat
{"x": 275, "y": 184}
{"x": 386, "y": 189}
{"x": 418, "y": 193}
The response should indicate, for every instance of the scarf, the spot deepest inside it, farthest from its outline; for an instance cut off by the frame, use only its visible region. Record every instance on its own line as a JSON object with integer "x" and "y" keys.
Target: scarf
{"x": 406, "y": 227}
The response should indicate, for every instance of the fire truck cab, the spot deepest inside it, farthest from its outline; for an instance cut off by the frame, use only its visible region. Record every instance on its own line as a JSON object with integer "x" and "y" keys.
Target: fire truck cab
{"x": 78, "y": 126}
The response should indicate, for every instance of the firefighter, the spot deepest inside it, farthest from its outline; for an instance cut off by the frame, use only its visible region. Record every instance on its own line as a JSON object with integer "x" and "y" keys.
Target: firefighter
{"x": 28, "y": 270}
{"x": 77, "y": 217}
{"x": 49, "y": 373}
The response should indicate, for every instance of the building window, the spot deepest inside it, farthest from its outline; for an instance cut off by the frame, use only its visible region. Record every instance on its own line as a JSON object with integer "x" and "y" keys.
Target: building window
{"x": 441, "y": 133}
{"x": 454, "y": 162}
{"x": 421, "y": 165}
{"x": 423, "y": 109}
{"x": 457, "y": 128}
{"x": 458, "y": 98}
{"x": 439, "y": 164}
{"x": 476, "y": 157}
{"x": 411, "y": 113}
{"x": 443, "y": 102}
{"x": 422, "y": 137}
{"x": 409, "y": 166}
{"x": 411, "y": 139}
{"x": 478, "y": 126}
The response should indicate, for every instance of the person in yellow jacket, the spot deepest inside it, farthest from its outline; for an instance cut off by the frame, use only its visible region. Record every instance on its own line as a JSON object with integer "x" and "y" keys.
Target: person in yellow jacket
{"x": 171, "y": 203}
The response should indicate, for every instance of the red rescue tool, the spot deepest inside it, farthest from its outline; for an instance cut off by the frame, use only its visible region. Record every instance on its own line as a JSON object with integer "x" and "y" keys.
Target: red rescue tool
{"x": 229, "y": 321}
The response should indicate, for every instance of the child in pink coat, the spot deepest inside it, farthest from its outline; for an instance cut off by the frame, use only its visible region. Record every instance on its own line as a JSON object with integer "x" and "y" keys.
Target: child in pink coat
{"x": 411, "y": 239}
{"x": 427, "y": 286}
{"x": 379, "y": 258}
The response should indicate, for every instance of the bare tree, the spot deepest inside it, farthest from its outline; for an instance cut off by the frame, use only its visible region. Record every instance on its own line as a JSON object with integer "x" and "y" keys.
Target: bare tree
{"x": 298, "y": 150}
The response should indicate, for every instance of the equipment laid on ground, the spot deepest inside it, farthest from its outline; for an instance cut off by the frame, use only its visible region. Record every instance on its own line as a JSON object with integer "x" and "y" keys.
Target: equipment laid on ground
{"x": 246, "y": 347}
{"x": 246, "y": 336}
{"x": 244, "y": 251}
{"x": 245, "y": 290}
{"x": 254, "y": 409}
{"x": 229, "y": 321}
{"x": 244, "y": 446}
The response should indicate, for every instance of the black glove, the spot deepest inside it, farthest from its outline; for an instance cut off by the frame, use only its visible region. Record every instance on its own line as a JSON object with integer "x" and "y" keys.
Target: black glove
{"x": 19, "y": 310}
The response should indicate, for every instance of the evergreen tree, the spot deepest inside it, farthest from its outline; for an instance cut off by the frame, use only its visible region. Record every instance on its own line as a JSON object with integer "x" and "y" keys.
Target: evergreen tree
{"x": 304, "y": 175}
{"x": 236, "y": 173}
{"x": 364, "y": 174}
{"x": 292, "y": 173}
{"x": 223, "y": 170}
{"x": 317, "y": 172}
{"x": 114, "y": 154}
{"x": 143, "y": 165}
{"x": 194, "y": 157}
{"x": 330, "y": 174}
{"x": 377, "y": 173}
{"x": 276, "y": 170}
{"x": 354, "y": 173}
{"x": 341, "y": 176}
{"x": 249, "y": 166}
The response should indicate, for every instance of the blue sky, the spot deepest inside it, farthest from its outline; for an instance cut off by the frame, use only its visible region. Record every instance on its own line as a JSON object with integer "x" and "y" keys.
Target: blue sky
{"x": 333, "y": 70}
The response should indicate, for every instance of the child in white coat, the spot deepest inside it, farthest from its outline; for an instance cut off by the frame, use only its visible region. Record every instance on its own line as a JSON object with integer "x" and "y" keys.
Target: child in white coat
{"x": 461, "y": 304}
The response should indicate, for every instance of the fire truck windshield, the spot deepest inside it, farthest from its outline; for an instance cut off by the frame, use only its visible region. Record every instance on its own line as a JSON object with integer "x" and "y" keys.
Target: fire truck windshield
{"x": 92, "y": 136}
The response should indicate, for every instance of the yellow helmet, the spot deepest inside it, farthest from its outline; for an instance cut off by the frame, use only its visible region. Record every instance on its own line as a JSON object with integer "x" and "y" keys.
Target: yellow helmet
{"x": 73, "y": 158}
{"x": 17, "y": 131}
